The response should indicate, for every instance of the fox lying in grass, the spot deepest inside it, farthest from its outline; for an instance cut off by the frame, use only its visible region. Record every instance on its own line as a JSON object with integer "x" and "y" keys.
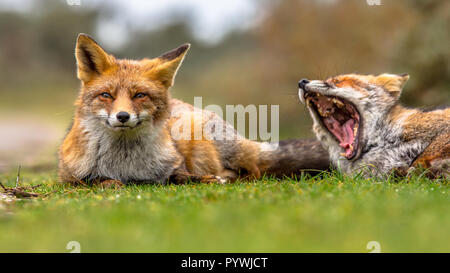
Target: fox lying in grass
{"x": 360, "y": 122}
{"x": 123, "y": 129}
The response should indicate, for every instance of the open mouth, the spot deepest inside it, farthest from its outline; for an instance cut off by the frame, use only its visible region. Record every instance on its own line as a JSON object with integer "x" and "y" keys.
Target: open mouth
{"x": 341, "y": 119}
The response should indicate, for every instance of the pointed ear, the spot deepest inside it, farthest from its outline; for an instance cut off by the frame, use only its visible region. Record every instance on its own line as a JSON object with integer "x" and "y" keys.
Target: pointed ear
{"x": 92, "y": 60}
{"x": 165, "y": 67}
{"x": 392, "y": 83}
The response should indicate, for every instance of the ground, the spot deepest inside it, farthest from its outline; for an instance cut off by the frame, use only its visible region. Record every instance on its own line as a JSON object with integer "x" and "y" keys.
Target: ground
{"x": 329, "y": 213}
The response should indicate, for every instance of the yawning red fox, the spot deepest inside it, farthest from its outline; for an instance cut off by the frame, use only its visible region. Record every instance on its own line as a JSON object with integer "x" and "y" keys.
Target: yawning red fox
{"x": 360, "y": 122}
{"x": 124, "y": 129}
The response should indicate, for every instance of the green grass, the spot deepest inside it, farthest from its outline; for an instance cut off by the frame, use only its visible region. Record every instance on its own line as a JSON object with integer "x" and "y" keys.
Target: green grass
{"x": 328, "y": 214}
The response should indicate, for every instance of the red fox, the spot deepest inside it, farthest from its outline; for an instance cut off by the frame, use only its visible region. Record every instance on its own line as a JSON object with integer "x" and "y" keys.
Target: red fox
{"x": 123, "y": 129}
{"x": 360, "y": 122}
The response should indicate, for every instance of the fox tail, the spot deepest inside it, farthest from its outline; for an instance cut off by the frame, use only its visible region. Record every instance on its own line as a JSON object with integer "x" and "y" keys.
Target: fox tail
{"x": 292, "y": 157}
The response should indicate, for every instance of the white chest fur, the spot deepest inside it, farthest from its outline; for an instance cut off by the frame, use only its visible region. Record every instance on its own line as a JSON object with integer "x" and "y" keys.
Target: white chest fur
{"x": 139, "y": 156}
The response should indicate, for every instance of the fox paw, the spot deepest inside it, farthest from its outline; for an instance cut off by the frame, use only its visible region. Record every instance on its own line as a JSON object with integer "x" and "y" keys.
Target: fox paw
{"x": 221, "y": 180}
{"x": 214, "y": 179}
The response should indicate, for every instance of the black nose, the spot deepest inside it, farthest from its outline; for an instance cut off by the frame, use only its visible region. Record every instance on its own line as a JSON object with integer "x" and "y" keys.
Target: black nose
{"x": 302, "y": 83}
{"x": 123, "y": 116}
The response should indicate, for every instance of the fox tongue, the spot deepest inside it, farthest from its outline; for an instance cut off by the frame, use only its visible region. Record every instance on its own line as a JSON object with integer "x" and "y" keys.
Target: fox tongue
{"x": 344, "y": 133}
{"x": 348, "y": 137}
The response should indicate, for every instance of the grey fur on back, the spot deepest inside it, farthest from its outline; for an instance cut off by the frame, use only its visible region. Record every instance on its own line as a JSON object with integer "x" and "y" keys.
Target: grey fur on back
{"x": 294, "y": 156}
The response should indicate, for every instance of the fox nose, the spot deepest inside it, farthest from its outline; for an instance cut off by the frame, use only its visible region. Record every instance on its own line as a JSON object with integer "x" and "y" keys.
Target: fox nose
{"x": 302, "y": 83}
{"x": 123, "y": 116}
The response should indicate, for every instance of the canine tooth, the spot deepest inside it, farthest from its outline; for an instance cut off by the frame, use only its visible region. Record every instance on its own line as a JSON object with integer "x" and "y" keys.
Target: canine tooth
{"x": 343, "y": 154}
{"x": 338, "y": 103}
{"x": 351, "y": 147}
{"x": 326, "y": 114}
{"x": 355, "y": 130}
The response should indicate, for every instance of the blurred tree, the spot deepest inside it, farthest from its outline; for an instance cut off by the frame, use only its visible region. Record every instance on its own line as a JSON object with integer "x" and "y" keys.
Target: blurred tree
{"x": 292, "y": 39}
{"x": 423, "y": 52}
{"x": 14, "y": 43}
{"x": 56, "y": 32}
{"x": 317, "y": 39}
{"x": 41, "y": 44}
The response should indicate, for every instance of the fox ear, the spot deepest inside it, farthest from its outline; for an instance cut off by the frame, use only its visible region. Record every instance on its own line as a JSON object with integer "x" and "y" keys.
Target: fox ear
{"x": 165, "y": 67}
{"x": 392, "y": 83}
{"x": 92, "y": 60}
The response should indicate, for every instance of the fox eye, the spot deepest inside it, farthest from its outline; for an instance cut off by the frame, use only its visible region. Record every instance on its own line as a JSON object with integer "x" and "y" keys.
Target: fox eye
{"x": 106, "y": 95}
{"x": 140, "y": 95}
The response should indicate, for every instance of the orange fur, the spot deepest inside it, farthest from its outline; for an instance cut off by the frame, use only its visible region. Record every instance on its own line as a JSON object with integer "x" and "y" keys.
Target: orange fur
{"x": 121, "y": 81}
{"x": 143, "y": 146}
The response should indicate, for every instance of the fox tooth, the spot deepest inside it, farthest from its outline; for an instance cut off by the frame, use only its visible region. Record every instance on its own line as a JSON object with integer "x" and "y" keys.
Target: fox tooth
{"x": 338, "y": 103}
{"x": 343, "y": 154}
{"x": 324, "y": 114}
{"x": 351, "y": 147}
{"x": 355, "y": 130}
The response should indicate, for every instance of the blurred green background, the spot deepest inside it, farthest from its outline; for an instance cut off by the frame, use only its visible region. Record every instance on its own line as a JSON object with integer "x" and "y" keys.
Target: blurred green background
{"x": 243, "y": 52}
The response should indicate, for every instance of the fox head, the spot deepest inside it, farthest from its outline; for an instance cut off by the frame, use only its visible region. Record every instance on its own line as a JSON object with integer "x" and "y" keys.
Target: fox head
{"x": 347, "y": 109}
{"x": 120, "y": 94}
